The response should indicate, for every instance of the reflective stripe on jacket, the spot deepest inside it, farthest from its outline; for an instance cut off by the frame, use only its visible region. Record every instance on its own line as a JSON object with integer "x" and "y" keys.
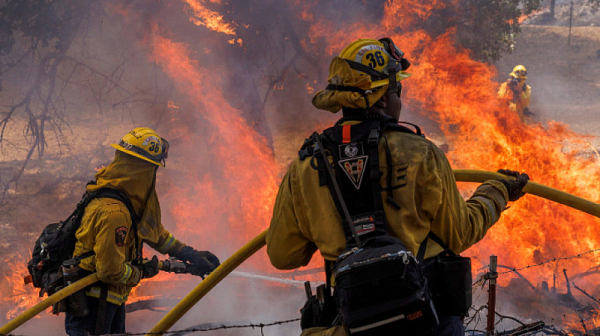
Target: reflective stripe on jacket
{"x": 305, "y": 217}
{"x": 112, "y": 297}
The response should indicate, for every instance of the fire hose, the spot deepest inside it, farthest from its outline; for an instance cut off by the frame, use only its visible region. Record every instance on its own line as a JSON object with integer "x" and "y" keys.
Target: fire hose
{"x": 169, "y": 265}
{"x": 258, "y": 242}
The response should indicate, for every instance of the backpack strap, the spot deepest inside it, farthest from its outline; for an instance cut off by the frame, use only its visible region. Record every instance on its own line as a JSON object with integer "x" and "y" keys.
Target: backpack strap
{"x": 85, "y": 255}
{"x": 373, "y": 144}
{"x": 121, "y": 197}
{"x": 107, "y": 193}
{"x": 320, "y": 150}
{"x": 423, "y": 246}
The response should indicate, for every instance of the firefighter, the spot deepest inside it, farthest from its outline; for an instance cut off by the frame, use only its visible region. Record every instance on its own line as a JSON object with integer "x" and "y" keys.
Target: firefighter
{"x": 424, "y": 196}
{"x": 106, "y": 229}
{"x": 517, "y": 93}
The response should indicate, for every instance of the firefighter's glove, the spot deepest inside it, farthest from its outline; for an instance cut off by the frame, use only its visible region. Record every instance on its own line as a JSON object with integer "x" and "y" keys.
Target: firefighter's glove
{"x": 150, "y": 268}
{"x": 514, "y": 187}
{"x": 203, "y": 262}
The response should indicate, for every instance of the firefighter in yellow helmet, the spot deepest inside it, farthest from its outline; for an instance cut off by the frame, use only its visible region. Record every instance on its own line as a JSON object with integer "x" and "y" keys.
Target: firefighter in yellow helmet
{"x": 380, "y": 167}
{"x": 110, "y": 241}
{"x": 517, "y": 93}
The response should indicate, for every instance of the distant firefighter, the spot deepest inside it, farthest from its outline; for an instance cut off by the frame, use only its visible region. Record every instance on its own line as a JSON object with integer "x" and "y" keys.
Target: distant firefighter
{"x": 517, "y": 93}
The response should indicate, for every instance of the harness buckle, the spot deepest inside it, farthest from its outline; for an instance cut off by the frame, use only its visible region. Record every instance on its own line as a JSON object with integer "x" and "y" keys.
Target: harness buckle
{"x": 374, "y": 135}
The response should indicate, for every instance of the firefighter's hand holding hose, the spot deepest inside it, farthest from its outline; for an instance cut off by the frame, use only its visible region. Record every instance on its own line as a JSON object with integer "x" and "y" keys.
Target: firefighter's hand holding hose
{"x": 150, "y": 268}
{"x": 514, "y": 187}
{"x": 201, "y": 263}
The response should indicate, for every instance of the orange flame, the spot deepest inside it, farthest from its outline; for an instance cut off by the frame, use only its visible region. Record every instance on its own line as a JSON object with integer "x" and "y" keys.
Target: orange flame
{"x": 15, "y": 293}
{"x": 250, "y": 184}
{"x": 203, "y": 16}
{"x": 233, "y": 190}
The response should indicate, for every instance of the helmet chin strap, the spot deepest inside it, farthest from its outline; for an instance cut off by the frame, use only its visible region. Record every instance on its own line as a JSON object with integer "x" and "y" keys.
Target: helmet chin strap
{"x": 392, "y": 70}
{"x": 393, "y": 105}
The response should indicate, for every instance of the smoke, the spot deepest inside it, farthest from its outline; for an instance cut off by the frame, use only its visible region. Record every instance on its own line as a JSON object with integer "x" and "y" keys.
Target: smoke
{"x": 232, "y": 96}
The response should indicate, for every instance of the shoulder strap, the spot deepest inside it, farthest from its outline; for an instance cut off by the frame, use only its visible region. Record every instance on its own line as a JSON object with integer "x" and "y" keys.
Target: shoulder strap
{"x": 320, "y": 150}
{"x": 114, "y": 194}
{"x": 373, "y": 144}
{"x": 120, "y": 196}
{"x": 393, "y": 125}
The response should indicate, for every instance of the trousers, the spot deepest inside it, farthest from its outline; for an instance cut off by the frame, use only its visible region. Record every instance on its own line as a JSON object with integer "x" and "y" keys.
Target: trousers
{"x": 114, "y": 320}
{"x": 450, "y": 326}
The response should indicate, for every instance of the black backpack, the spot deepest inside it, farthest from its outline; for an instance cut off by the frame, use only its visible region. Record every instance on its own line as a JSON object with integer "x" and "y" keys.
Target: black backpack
{"x": 57, "y": 243}
{"x": 380, "y": 286}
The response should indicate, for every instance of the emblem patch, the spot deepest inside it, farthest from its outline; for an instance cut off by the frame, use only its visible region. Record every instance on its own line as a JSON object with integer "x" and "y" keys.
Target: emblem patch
{"x": 120, "y": 234}
{"x": 351, "y": 150}
{"x": 354, "y": 169}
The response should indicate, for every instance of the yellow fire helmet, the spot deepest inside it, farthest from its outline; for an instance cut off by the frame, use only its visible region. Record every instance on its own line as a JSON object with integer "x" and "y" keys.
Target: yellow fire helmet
{"x": 145, "y": 144}
{"x": 366, "y": 55}
{"x": 362, "y": 73}
{"x": 519, "y": 72}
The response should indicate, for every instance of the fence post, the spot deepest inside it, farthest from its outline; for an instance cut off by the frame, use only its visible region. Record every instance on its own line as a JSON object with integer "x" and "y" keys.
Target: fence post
{"x": 492, "y": 276}
{"x": 570, "y": 21}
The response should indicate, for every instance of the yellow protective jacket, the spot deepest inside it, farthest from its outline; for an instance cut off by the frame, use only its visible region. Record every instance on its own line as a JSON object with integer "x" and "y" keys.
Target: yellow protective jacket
{"x": 106, "y": 227}
{"x": 305, "y": 217}
{"x": 518, "y": 103}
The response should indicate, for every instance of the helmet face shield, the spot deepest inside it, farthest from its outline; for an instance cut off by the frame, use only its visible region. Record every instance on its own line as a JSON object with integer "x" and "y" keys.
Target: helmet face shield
{"x": 396, "y": 64}
{"x": 521, "y": 73}
{"x": 391, "y": 48}
{"x": 165, "y": 151}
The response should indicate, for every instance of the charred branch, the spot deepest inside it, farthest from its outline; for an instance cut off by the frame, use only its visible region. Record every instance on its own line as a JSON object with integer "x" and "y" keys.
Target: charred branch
{"x": 152, "y": 305}
{"x": 519, "y": 274}
{"x": 586, "y": 294}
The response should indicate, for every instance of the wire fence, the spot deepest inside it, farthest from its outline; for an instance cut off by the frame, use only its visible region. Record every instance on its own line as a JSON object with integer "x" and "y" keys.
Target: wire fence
{"x": 550, "y": 261}
{"x": 539, "y": 327}
{"x": 475, "y": 318}
{"x": 205, "y": 327}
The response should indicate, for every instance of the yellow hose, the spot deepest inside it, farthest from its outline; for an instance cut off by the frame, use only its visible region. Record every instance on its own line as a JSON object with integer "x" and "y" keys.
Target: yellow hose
{"x": 58, "y": 296}
{"x": 38, "y": 308}
{"x": 533, "y": 188}
{"x": 207, "y": 284}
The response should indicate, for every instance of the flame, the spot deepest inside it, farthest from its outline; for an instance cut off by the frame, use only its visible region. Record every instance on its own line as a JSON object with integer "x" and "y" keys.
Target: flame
{"x": 227, "y": 198}
{"x": 15, "y": 293}
{"x": 200, "y": 15}
{"x": 248, "y": 185}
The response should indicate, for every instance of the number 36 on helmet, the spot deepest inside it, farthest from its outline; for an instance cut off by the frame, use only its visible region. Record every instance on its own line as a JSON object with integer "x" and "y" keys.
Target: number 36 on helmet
{"x": 144, "y": 143}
